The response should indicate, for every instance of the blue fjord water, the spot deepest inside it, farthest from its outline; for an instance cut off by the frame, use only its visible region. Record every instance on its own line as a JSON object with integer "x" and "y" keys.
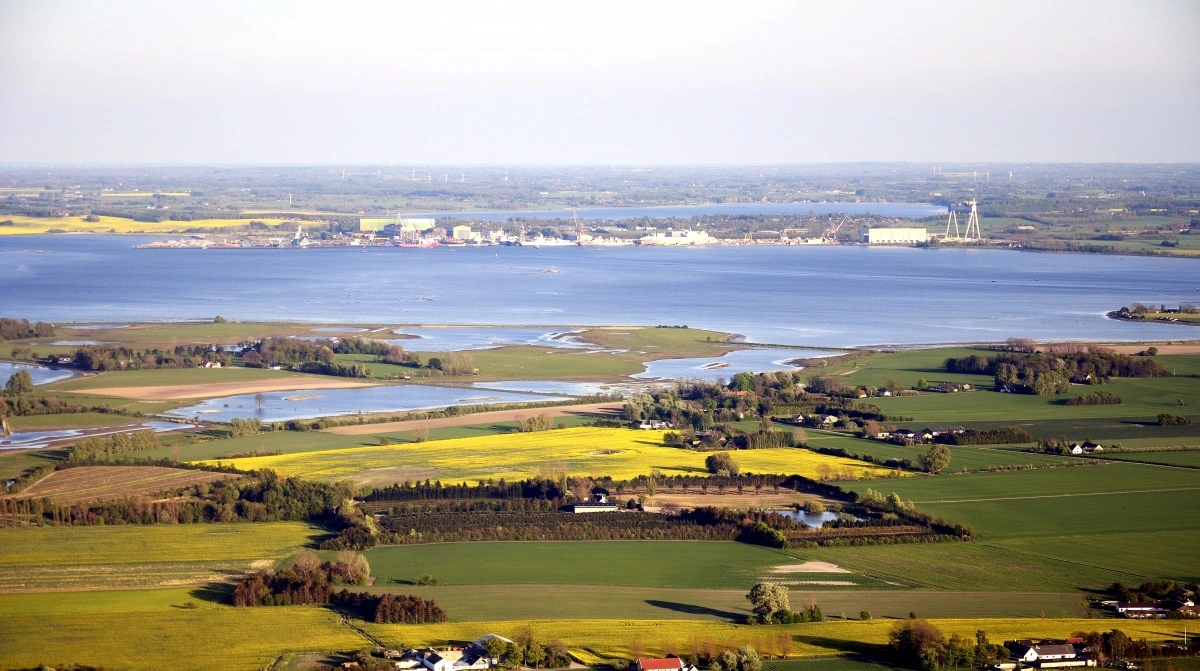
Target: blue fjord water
{"x": 819, "y": 296}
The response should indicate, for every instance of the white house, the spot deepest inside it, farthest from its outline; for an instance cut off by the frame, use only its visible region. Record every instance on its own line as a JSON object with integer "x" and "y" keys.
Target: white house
{"x": 1086, "y": 447}
{"x": 1038, "y": 653}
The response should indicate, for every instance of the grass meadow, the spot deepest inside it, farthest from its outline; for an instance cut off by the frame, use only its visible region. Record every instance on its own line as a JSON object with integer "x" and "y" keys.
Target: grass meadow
{"x": 620, "y": 453}
{"x": 1114, "y": 521}
{"x": 123, "y": 557}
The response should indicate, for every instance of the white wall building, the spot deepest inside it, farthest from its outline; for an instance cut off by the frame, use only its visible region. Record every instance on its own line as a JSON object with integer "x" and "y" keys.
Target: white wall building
{"x": 893, "y": 236}
{"x": 677, "y": 239}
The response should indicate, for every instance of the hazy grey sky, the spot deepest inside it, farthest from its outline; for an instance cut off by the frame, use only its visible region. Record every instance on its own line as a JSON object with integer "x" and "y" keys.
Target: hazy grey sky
{"x": 598, "y": 82}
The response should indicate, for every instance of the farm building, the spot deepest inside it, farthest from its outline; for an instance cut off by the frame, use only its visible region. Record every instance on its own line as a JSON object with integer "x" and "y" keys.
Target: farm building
{"x": 1047, "y": 655}
{"x": 1086, "y": 447}
{"x": 893, "y": 236}
{"x": 471, "y": 658}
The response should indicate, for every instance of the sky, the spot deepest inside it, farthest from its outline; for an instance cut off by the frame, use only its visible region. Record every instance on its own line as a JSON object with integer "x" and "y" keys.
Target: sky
{"x": 578, "y": 83}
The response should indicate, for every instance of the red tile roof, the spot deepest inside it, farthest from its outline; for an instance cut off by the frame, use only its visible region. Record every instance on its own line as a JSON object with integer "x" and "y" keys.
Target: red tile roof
{"x": 660, "y": 664}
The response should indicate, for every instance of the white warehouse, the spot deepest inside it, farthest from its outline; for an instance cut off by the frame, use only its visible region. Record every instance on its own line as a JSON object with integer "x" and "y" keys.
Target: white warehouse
{"x": 893, "y": 236}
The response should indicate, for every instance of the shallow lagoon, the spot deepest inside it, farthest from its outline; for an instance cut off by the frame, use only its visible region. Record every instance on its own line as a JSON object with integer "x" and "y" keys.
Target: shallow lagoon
{"x": 28, "y": 440}
{"x": 40, "y": 374}
{"x": 757, "y": 360}
{"x": 282, "y": 406}
{"x": 455, "y": 339}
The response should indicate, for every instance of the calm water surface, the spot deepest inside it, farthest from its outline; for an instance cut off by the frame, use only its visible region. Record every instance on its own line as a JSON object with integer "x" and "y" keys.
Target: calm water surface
{"x": 283, "y": 406}
{"x": 40, "y": 374}
{"x": 815, "y": 295}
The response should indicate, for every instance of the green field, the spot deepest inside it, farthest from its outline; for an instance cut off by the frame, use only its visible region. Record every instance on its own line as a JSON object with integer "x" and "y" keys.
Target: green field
{"x": 1043, "y": 416}
{"x": 973, "y": 458}
{"x": 1122, "y": 520}
{"x": 75, "y": 420}
{"x": 1182, "y": 458}
{"x": 682, "y": 564}
{"x": 123, "y": 557}
{"x": 466, "y": 603}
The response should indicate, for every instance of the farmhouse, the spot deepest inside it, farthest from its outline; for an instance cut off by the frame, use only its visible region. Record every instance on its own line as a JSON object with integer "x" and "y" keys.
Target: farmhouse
{"x": 598, "y": 503}
{"x": 906, "y": 434}
{"x": 653, "y": 425}
{"x": 1141, "y": 610}
{"x": 662, "y": 664}
{"x": 471, "y": 658}
{"x": 1047, "y": 655}
{"x": 1086, "y": 447}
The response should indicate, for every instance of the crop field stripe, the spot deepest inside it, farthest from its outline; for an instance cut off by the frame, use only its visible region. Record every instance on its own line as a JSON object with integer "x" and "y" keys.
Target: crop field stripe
{"x": 1070, "y": 562}
{"x": 1063, "y": 496}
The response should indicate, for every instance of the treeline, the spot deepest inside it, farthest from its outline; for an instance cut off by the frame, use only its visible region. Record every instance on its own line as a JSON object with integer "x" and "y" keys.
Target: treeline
{"x": 28, "y": 405}
{"x": 1095, "y": 398}
{"x": 307, "y": 580}
{"x": 20, "y": 329}
{"x": 383, "y": 350}
{"x": 260, "y": 496}
{"x": 97, "y": 448}
{"x": 1052, "y": 372}
{"x": 286, "y": 352}
{"x": 119, "y": 357}
{"x": 999, "y": 436}
{"x": 918, "y": 644}
{"x": 1151, "y": 590}
{"x": 390, "y": 608}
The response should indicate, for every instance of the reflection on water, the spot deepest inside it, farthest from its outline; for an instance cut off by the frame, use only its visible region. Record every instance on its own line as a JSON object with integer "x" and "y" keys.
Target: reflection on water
{"x": 282, "y": 406}
{"x": 568, "y": 388}
{"x": 813, "y": 520}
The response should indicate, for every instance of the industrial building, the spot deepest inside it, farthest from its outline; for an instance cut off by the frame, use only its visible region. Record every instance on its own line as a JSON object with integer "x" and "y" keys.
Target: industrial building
{"x": 893, "y": 236}
{"x": 380, "y": 224}
{"x": 461, "y": 232}
{"x": 674, "y": 238}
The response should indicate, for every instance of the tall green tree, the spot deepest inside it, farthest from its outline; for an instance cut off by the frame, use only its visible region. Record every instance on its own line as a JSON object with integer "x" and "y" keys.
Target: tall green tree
{"x": 19, "y": 383}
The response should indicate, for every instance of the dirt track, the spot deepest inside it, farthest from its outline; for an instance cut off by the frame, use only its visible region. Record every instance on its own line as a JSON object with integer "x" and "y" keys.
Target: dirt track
{"x": 182, "y": 391}
{"x": 476, "y": 418}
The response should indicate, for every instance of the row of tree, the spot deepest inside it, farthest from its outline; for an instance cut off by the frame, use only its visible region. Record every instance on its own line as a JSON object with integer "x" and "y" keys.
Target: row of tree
{"x": 120, "y": 357}
{"x": 390, "y": 608}
{"x": 97, "y": 448}
{"x": 307, "y": 580}
{"x": 20, "y": 329}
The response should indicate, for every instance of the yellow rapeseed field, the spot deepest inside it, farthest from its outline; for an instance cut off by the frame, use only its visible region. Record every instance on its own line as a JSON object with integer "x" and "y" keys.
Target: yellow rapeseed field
{"x": 76, "y": 224}
{"x": 620, "y": 453}
{"x": 596, "y": 641}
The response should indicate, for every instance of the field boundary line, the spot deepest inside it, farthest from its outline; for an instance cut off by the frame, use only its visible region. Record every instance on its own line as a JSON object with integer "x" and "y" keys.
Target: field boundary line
{"x": 1064, "y": 496}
